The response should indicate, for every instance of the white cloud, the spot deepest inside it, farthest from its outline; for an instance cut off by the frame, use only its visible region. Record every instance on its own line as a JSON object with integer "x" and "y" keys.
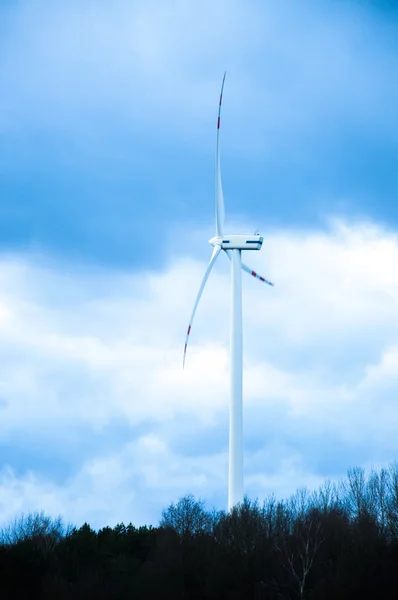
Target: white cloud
{"x": 84, "y": 351}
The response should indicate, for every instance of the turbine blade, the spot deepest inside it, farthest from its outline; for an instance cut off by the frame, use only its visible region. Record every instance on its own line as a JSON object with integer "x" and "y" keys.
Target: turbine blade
{"x": 256, "y": 275}
{"x": 251, "y": 272}
{"x": 220, "y": 212}
{"x": 216, "y": 252}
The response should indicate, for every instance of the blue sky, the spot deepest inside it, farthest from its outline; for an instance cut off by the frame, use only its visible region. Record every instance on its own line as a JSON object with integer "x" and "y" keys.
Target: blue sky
{"x": 107, "y": 140}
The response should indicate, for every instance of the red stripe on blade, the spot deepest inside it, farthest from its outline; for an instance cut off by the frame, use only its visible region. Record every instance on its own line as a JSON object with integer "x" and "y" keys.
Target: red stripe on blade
{"x": 218, "y": 123}
{"x": 189, "y": 330}
{"x": 254, "y": 273}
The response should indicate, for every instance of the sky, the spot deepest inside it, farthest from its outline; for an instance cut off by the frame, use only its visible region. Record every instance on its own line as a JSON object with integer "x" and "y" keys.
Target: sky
{"x": 107, "y": 148}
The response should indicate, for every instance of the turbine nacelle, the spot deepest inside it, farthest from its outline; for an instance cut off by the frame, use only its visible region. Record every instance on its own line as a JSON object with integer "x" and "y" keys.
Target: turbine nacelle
{"x": 237, "y": 242}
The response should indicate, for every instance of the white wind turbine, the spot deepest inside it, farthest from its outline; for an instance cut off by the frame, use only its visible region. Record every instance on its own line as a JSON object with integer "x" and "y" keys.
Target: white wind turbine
{"x": 232, "y": 244}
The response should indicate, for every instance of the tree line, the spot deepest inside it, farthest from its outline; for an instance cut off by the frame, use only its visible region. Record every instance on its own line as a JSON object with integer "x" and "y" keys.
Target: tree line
{"x": 338, "y": 542}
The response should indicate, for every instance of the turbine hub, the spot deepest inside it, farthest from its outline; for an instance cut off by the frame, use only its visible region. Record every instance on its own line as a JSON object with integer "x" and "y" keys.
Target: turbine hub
{"x": 216, "y": 241}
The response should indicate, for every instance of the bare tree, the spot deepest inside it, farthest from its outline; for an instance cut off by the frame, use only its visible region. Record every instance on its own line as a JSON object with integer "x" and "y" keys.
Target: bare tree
{"x": 392, "y": 502}
{"x": 378, "y": 492}
{"x": 299, "y": 503}
{"x": 326, "y": 497}
{"x": 298, "y": 552}
{"x": 44, "y": 531}
{"x": 188, "y": 517}
{"x": 355, "y": 492}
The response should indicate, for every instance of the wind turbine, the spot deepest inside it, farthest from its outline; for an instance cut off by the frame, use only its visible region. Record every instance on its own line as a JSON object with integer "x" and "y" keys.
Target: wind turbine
{"x": 232, "y": 244}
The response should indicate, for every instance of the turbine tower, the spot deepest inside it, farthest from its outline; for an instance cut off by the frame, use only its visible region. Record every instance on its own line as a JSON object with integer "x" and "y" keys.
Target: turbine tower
{"x": 232, "y": 244}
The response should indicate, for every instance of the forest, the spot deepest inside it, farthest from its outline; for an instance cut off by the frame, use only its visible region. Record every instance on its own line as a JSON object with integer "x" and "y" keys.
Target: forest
{"x": 338, "y": 542}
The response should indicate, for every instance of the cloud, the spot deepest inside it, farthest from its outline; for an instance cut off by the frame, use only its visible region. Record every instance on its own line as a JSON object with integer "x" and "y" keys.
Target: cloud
{"x": 108, "y": 110}
{"x": 155, "y": 67}
{"x": 105, "y": 120}
{"x": 90, "y": 374}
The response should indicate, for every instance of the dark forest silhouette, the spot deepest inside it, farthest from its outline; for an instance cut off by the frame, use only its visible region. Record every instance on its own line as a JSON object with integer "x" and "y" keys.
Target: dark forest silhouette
{"x": 340, "y": 542}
